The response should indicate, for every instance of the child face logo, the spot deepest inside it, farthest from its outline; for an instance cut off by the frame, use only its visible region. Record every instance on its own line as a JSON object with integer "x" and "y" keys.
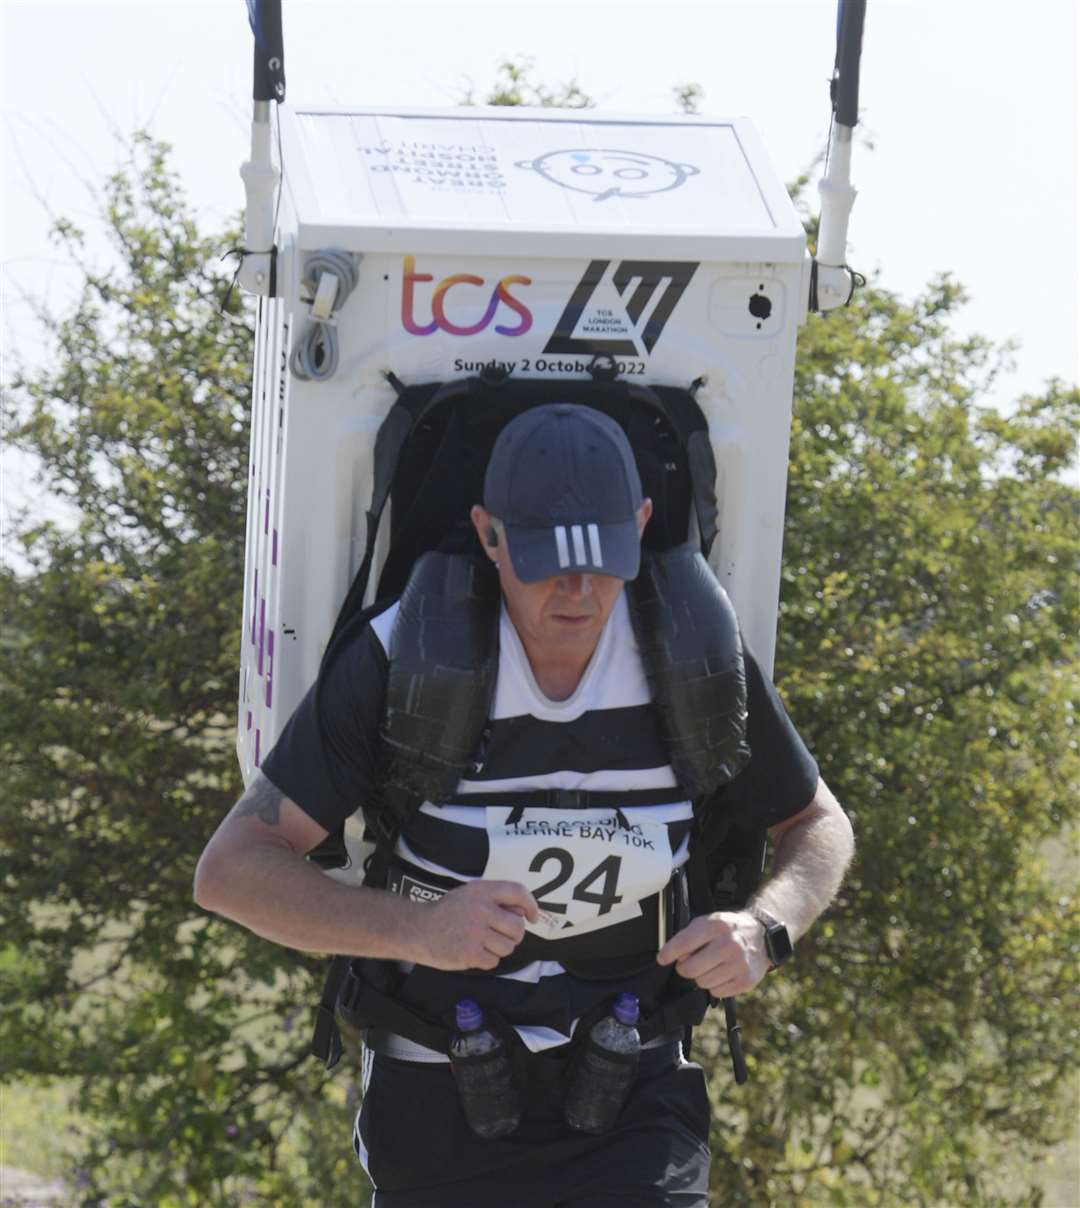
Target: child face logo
{"x": 610, "y": 173}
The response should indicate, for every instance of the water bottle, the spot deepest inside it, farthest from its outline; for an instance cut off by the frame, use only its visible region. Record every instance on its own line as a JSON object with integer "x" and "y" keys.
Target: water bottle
{"x": 482, "y": 1072}
{"x": 605, "y": 1071}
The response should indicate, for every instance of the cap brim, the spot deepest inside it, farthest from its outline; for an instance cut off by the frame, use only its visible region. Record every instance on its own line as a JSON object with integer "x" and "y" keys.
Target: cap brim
{"x": 564, "y": 549}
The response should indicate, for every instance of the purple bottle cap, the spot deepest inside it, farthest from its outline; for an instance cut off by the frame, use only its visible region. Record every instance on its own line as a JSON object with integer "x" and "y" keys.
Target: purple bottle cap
{"x": 469, "y": 1017}
{"x": 626, "y": 1009}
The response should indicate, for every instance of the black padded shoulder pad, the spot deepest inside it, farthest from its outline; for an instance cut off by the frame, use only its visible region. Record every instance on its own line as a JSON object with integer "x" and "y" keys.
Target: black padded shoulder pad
{"x": 689, "y": 639}
{"x": 444, "y": 656}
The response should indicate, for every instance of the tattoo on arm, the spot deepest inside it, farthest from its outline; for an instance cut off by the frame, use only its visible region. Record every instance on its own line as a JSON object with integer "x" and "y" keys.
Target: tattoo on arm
{"x": 263, "y": 800}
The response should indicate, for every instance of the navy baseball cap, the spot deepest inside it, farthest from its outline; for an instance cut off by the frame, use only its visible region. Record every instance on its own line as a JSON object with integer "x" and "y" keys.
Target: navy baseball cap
{"x": 563, "y": 481}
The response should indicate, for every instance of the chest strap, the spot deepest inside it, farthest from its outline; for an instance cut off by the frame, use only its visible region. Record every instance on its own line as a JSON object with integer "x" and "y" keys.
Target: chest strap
{"x": 565, "y": 799}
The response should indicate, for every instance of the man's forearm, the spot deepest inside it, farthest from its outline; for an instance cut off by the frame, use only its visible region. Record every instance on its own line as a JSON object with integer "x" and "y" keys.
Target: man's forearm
{"x": 808, "y": 865}
{"x": 281, "y": 896}
{"x": 254, "y": 872}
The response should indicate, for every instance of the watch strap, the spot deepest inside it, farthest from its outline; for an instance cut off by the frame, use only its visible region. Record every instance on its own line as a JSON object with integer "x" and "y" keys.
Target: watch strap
{"x": 764, "y": 917}
{"x": 778, "y": 945}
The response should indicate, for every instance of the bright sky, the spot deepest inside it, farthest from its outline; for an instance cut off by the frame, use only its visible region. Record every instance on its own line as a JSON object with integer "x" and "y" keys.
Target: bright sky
{"x": 971, "y": 106}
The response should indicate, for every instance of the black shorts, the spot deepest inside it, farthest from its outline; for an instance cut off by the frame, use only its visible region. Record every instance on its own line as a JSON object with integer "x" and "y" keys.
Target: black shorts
{"x": 413, "y": 1140}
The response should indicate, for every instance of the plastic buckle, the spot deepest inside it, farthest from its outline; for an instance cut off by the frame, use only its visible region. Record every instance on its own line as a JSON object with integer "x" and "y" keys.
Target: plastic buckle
{"x": 567, "y": 799}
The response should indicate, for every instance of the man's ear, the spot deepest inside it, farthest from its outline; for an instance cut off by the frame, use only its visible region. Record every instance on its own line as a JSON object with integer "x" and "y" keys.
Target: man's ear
{"x": 643, "y": 514}
{"x": 484, "y": 523}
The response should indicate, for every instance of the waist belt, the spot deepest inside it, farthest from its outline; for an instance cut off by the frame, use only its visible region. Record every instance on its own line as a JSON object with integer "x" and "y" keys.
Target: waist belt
{"x": 366, "y": 1001}
{"x": 391, "y": 1044}
{"x": 617, "y": 951}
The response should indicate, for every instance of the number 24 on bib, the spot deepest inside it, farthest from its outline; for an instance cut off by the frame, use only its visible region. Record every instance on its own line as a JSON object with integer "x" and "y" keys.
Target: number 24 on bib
{"x": 586, "y": 868}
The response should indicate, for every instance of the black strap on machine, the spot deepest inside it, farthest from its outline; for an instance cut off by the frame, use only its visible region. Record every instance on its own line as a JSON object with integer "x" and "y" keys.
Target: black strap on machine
{"x": 734, "y": 1035}
{"x": 712, "y": 829}
{"x": 326, "y": 1041}
{"x": 726, "y": 887}
{"x": 563, "y": 799}
{"x": 410, "y": 408}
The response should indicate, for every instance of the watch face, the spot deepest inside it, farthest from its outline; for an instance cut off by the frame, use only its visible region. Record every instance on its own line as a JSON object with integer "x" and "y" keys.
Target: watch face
{"x": 778, "y": 943}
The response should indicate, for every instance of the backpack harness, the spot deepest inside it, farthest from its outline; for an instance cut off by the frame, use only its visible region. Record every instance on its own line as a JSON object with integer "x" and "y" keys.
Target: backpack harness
{"x": 443, "y": 663}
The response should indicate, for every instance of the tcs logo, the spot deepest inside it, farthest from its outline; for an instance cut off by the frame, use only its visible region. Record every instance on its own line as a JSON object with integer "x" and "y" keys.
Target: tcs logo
{"x": 462, "y": 302}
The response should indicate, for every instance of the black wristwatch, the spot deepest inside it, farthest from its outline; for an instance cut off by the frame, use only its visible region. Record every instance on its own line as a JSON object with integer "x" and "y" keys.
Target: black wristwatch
{"x": 777, "y": 941}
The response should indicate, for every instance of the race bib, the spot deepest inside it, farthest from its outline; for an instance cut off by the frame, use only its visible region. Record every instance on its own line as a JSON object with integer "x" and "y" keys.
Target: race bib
{"x": 586, "y": 868}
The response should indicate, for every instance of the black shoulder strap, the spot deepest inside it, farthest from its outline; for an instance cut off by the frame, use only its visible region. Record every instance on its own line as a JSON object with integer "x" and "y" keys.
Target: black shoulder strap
{"x": 407, "y": 411}
{"x": 686, "y": 419}
{"x": 690, "y": 643}
{"x": 444, "y": 660}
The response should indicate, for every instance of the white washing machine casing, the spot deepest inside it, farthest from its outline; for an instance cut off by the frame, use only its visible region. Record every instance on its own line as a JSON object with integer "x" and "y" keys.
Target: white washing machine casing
{"x": 532, "y": 239}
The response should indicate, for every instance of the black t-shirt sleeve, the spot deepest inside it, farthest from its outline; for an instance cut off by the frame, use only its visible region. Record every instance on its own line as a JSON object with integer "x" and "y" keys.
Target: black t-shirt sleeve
{"x": 781, "y": 776}
{"x": 327, "y": 757}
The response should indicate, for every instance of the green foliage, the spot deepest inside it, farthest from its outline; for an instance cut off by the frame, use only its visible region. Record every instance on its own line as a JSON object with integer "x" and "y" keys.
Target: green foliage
{"x": 688, "y": 97}
{"x": 118, "y": 673}
{"x": 515, "y": 84}
{"x": 922, "y": 1048}
{"x": 916, "y": 1052}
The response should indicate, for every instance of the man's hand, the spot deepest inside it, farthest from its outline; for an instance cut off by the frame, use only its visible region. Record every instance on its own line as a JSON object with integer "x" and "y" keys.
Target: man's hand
{"x": 723, "y": 953}
{"x": 475, "y": 925}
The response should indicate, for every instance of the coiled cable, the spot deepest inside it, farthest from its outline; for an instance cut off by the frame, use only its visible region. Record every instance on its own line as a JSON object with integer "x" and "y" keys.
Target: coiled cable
{"x": 315, "y": 357}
